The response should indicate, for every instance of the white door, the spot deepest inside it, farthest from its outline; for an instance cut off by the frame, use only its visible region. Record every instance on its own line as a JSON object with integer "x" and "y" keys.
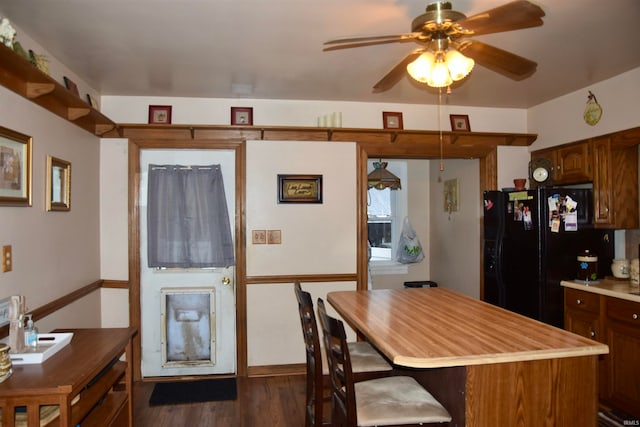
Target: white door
{"x": 154, "y": 282}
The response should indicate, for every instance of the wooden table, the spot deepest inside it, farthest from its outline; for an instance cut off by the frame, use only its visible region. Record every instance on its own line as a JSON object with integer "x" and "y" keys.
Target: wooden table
{"x": 487, "y": 365}
{"x": 88, "y": 367}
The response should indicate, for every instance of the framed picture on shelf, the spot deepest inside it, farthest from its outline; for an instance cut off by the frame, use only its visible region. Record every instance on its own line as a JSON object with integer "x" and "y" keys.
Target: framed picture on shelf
{"x": 15, "y": 168}
{"x": 242, "y": 116}
{"x": 392, "y": 120}
{"x": 160, "y": 114}
{"x": 299, "y": 188}
{"x": 69, "y": 84}
{"x": 459, "y": 123}
{"x": 92, "y": 102}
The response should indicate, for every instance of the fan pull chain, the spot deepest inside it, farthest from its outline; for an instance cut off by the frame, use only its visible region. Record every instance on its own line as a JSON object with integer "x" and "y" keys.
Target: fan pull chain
{"x": 440, "y": 128}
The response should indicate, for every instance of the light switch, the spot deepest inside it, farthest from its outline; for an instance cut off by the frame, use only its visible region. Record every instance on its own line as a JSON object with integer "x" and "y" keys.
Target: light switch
{"x": 7, "y": 261}
{"x": 274, "y": 237}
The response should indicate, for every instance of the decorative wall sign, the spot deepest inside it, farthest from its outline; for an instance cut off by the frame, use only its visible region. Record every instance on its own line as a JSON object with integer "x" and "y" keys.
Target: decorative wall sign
{"x": 299, "y": 188}
{"x": 451, "y": 195}
{"x": 15, "y": 168}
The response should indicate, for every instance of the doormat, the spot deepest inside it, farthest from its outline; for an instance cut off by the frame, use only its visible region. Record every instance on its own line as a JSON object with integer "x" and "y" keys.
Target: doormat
{"x": 172, "y": 393}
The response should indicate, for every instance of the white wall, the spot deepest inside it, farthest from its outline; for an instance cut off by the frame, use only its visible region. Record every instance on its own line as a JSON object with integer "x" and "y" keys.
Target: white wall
{"x": 54, "y": 253}
{"x": 454, "y": 238}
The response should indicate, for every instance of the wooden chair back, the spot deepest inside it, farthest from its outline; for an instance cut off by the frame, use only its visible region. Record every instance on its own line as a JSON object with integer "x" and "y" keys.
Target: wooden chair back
{"x": 343, "y": 398}
{"x": 314, "y": 392}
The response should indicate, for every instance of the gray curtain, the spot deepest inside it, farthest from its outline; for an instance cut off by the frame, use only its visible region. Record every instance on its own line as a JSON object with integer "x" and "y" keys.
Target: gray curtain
{"x": 187, "y": 218}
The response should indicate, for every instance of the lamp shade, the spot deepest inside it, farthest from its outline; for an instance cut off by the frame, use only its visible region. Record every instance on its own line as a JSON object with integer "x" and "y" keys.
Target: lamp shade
{"x": 421, "y": 68}
{"x": 380, "y": 178}
{"x": 459, "y": 65}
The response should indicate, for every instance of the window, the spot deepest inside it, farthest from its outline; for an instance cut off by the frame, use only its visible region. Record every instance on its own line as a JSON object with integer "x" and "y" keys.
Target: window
{"x": 386, "y": 210}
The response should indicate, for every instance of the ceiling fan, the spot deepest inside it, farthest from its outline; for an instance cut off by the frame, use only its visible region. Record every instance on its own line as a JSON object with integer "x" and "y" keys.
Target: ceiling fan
{"x": 445, "y": 34}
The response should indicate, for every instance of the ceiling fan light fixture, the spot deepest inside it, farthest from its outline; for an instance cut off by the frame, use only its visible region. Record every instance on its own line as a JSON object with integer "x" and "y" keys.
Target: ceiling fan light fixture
{"x": 459, "y": 65}
{"x": 421, "y": 68}
{"x": 440, "y": 76}
{"x": 380, "y": 178}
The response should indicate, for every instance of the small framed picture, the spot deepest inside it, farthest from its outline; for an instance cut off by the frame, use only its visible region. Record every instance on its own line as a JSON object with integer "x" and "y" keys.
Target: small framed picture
{"x": 242, "y": 116}
{"x": 92, "y": 102}
{"x": 392, "y": 120}
{"x": 459, "y": 123}
{"x": 58, "y": 184}
{"x": 299, "y": 188}
{"x": 15, "y": 164}
{"x": 160, "y": 114}
{"x": 69, "y": 84}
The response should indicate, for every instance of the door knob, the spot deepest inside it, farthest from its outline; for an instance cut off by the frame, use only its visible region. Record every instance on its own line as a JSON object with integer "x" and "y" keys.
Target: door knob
{"x": 226, "y": 280}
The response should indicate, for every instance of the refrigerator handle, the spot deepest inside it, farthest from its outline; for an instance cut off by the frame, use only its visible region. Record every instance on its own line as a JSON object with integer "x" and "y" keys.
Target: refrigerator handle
{"x": 499, "y": 278}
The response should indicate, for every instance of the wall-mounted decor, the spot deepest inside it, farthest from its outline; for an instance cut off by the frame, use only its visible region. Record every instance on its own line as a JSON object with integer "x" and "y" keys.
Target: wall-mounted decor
{"x": 299, "y": 188}
{"x": 15, "y": 168}
{"x": 92, "y": 102}
{"x": 160, "y": 114}
{"x": 69, "y": 84}
{"x": 58, "y": 185}
{"x": 392, "y": 120}
{"x": 460, "y": 123}
{"x": 451, "y": 195}
{"x": 242, "y": 116}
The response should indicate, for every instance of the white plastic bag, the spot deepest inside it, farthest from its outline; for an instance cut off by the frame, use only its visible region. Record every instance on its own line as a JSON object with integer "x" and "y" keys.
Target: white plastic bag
{"x": 409, "y": 247}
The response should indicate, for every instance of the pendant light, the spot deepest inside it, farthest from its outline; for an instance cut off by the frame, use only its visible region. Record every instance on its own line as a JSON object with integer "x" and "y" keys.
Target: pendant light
{"x": 380, "y": 178}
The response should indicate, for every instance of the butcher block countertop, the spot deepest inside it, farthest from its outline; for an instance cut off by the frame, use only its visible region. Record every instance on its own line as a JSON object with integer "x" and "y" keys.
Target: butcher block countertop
{"x": 622, "y": 289}
{"x": 437, "y": 327}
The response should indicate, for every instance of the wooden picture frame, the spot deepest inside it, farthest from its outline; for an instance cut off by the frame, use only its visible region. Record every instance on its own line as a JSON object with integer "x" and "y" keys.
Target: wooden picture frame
{"x": 459, "y": 123}
{"x": 58, "y": 184}
{"x": 299, "y": 188}
{"x": 92, "y": 102}
{"x": 451, "y": 192}
{"x": 242, "y": 116}
{"x": 15, "y": 168}
{"x": 160, "y": 114}
{"x": 392, "y": 120}
{"x": 69, "y": 84}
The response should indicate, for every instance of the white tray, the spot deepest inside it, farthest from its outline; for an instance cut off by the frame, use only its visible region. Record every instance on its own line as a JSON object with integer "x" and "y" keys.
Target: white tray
{"x": 48, "y": 345}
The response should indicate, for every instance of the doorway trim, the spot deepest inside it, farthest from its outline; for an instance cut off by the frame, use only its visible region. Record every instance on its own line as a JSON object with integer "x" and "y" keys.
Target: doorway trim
{"x": 134, "y": 148}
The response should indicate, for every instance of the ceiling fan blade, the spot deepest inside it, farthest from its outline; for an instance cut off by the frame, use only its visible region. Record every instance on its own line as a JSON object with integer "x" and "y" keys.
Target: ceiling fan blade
{"x": 506, "y": 63}
{"x": 512, "y": 16}
{"x": 396, "y": 73}
{"x": 351, "y": 42}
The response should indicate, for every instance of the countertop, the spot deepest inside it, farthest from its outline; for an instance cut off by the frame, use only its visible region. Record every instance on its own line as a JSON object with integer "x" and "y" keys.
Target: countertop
{"x": 622, "y": 289}
{"x": 437, "y": 327}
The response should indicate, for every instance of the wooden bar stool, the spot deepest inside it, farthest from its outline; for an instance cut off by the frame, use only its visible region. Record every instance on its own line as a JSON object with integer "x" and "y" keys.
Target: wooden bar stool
{"x": 388, "y": 401}
{"x": 366, "y": 360}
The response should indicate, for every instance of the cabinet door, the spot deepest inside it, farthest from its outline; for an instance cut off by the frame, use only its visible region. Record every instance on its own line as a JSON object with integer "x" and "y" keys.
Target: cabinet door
{"x": 623, "y": 339}
{"x": 602, "y": 191}
{"x": 573, "y": 164}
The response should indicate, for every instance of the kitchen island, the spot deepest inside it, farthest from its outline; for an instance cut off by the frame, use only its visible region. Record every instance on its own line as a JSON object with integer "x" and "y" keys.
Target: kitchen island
{"x": 486, "y": 365}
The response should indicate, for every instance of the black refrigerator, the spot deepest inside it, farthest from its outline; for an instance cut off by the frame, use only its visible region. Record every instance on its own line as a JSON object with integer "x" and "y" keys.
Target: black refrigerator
{"x": 531, "y": 242}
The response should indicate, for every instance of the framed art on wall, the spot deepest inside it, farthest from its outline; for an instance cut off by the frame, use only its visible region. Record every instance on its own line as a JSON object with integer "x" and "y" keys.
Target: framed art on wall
{"x": 160, "y": 114}
{"x": 299, "y": 188}
{"x": 242, "y": 116}
{"x": 69, "y": 84}
{"x": 15, "y": 168}
{"x": 58, "y": 185}
{"x": 459, "y": 123}
{"x": 392, "y": 120}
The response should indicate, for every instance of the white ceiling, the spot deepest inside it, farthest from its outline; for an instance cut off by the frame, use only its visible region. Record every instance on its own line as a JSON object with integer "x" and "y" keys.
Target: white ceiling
{"x": 273, "y": 49}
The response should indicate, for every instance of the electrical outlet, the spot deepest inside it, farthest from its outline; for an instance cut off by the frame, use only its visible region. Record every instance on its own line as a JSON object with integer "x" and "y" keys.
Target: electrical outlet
{"x": 259, "y": 237}
{"x": 7, "y": 261}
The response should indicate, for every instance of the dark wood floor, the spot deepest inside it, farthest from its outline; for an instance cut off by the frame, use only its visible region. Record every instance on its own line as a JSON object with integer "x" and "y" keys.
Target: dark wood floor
{"x": 269, "y": 402}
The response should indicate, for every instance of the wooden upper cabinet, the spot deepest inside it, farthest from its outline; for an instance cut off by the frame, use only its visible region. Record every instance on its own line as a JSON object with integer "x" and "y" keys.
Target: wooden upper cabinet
{"x": 602, "y": 184}
{"x": 573, "y": 164}
{"x": 610, "y": 162}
